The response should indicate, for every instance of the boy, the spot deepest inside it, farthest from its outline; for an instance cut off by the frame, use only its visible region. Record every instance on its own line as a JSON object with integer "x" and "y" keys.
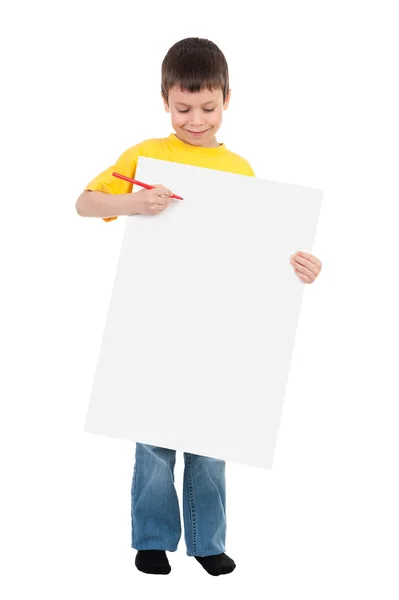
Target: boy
{"x": 195, "y": 92}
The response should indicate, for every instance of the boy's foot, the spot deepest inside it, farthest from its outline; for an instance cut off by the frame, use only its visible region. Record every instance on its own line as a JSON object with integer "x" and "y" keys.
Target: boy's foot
{"x": 154, "y": 562}
{"x": 219, "y": 564}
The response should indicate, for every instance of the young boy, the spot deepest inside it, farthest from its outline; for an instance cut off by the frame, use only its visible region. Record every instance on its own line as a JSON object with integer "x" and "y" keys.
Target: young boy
{"x": 195, "y": 92}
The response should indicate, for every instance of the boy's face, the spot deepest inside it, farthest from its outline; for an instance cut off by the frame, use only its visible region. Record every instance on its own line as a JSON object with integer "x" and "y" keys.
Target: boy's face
{"x": 194, "y": 112}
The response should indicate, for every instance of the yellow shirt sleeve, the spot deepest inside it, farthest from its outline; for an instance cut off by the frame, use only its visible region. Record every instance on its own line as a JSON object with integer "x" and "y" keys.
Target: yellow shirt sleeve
{"x": 107, "y": 183}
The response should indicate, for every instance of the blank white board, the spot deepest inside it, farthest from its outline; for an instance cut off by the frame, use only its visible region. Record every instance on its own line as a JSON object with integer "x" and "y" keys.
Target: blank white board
{"x": 203, "y": 314}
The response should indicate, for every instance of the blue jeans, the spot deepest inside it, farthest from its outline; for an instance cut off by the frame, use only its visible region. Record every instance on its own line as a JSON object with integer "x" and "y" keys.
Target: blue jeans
{"x": 155, "y": 510}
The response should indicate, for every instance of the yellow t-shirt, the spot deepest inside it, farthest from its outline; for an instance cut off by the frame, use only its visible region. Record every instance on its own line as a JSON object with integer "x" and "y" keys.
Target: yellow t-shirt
{"x": 170, "y": 148}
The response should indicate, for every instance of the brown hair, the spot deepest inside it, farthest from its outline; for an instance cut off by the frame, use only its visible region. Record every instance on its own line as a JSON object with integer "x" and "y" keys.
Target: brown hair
{"x": 194, "y": 64}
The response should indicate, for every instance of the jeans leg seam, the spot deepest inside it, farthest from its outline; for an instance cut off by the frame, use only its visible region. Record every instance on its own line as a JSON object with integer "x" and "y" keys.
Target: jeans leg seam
{"x": 133, "y": 490}
{"x": 192, "y": 506}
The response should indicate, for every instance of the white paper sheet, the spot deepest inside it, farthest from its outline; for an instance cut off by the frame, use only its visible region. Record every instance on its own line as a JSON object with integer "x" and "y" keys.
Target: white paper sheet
{"x": 202, "y": 320}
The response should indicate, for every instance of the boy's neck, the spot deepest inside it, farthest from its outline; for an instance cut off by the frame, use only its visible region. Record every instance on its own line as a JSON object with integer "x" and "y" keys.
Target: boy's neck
{"x": 213, "y": 143}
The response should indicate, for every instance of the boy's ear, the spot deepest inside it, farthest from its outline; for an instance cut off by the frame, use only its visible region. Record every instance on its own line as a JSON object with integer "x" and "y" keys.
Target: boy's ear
{"x": 227, "y": 101}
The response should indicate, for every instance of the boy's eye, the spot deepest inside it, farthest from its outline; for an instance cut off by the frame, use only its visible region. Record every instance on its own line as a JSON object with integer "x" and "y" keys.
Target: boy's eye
{"x": 205, "y": 109}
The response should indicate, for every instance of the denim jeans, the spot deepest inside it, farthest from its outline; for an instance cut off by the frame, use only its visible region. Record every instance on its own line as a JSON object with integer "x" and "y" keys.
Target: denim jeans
{"x": 155, "y": 512}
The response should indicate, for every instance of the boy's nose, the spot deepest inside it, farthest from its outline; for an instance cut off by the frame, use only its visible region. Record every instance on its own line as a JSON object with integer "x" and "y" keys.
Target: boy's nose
{"x": 196, "y": 121}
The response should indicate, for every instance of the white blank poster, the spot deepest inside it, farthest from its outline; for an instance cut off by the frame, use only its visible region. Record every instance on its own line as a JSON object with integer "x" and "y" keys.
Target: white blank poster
{"x": 202, "y": 319}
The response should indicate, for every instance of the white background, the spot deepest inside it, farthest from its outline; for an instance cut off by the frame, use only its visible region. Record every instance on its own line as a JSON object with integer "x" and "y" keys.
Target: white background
{"x": 314, "y": 102}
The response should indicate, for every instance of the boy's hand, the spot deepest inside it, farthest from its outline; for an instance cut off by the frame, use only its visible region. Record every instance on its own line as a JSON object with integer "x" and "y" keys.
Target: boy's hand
{"x": 152, "y": 202}
{"x": 306, "y": 266}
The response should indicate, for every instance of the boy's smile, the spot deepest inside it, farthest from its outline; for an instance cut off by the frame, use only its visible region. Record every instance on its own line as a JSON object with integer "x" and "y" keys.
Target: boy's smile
{"x": 196, "y": 116}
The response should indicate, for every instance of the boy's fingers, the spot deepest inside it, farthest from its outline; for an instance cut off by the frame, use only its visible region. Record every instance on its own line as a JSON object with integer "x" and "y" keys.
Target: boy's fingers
{"x": 304, "y": 261}
{"x": 303, "y": 270}
{"x": 304, "y": 254}
{"x": 303, "y": 276}
{"x": 310, "y": 257}
{"x": 164, "y": 191}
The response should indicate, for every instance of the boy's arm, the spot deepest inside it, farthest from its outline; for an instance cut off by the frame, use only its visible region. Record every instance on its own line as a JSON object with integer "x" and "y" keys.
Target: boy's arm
{"x": 101, "y": 204}
{"x": 108, "y": 197}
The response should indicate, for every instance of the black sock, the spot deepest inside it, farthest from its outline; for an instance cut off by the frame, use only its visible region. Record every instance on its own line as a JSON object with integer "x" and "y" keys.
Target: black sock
{"x": 154, "y": 562}
{"x": 219, "y": 564}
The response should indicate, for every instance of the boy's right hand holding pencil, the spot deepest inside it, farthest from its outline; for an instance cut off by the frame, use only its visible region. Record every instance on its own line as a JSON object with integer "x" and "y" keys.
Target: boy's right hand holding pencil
{"x": 153, "y": 201}
{"x": 149, "y": 201}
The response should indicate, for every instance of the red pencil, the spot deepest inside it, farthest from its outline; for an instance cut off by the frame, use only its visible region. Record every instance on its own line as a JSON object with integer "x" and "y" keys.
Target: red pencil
{"x": 144, "y": 185}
